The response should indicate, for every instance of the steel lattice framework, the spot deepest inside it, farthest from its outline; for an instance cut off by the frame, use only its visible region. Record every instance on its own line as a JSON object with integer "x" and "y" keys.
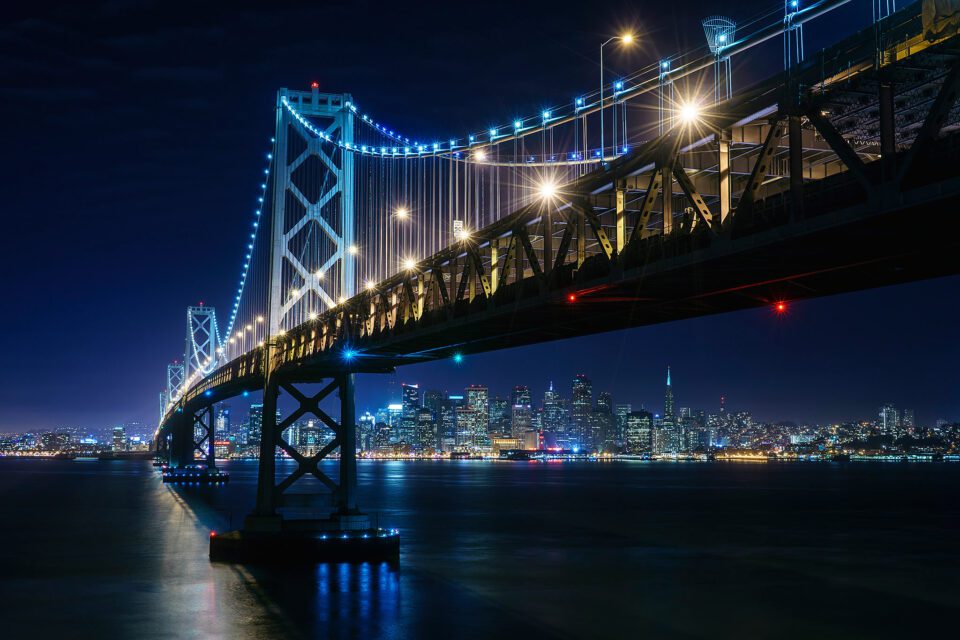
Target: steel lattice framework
{"x": 202, "y": 348}
{"x": 327, "y": 213}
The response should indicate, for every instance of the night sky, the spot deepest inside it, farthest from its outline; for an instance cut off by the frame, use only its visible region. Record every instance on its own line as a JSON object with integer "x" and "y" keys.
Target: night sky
{"x": 134, "y": 132}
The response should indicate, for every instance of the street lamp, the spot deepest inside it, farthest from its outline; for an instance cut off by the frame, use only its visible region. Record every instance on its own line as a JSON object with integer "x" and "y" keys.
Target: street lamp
{"x": 626, "y": 38}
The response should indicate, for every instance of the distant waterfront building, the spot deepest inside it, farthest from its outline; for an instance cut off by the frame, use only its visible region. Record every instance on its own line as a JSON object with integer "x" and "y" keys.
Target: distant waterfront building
{"x": 520, "y": 411}
{"x": 433, "y": 400}
{"x": 465, "y": 420}
{"x": 907, "y": 424}
{"x": 255, "y": 428}
{"x": 520, "y": 396}
{"x": 222, "y": 422}
{"x": 581, "y": 407}
{"x": 603, "y": 424}
{"x": 669, "y": 432}
{"x": 410, "y": 399}
{"x": 500, "y": 416}
{"x": 426, "y": 430}
{"x": 554, "y": 420}
{"x": 638, "y": 432}
{"x": 532, "y": 441}
{"x": 366, "y": 431}
{"x": 447, "y": 422}
{"x": 60, "y": 441}
{"x": 620, "y": 413}
{"x": 119, "y": 438}
{"x": 662, "y": 440}
{"x": 888, "y": 421}
{"x": 478, "y": 400}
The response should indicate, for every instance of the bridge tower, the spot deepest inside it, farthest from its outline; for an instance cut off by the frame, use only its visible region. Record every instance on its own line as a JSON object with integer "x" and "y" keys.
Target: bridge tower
{"x": 202, "y": 346}
{"x": 312, "y": 243}
{"x": 175, "y": 377}
{"x": 312, "y": 269}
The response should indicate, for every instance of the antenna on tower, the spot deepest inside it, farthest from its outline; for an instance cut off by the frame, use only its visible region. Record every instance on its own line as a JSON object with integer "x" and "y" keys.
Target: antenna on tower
{"x": 720, "y": 32}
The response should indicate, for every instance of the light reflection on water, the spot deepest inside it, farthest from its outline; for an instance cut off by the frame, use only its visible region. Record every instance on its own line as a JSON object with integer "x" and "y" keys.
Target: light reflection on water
{"x": 490, "y": 549}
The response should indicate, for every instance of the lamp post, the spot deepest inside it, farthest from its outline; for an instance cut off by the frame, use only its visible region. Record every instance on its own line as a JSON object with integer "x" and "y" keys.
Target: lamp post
{"x": 626, "y": 38}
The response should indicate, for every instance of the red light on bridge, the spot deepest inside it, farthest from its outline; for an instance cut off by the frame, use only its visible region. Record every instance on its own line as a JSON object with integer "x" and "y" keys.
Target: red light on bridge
{"x": 213, "y": 534}
{"x": 314, "y": 85}
{"x": 780, "y": 307}
{"x": 572, "y": 298}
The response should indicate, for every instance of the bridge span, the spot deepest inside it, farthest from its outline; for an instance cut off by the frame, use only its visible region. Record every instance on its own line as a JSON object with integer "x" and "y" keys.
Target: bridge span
{"x": 839, "y": 174}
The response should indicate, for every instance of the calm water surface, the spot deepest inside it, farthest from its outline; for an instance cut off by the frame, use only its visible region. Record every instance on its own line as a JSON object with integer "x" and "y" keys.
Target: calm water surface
{"x": 497, "y": 550}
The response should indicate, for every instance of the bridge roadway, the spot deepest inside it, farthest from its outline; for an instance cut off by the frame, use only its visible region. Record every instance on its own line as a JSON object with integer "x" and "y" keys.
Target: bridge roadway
{"x": 603, "y": 256}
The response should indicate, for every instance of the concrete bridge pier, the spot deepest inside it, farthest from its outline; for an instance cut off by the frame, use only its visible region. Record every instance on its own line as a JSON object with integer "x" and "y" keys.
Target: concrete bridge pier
{"x": 346, "y": 534}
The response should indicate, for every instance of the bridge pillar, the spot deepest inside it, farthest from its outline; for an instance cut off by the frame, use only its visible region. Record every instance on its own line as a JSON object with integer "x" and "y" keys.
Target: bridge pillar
{"x": 182, "y": 441}
{"x": 211, "y": 432}
{"x": 265, "y": 510}
{"x": 267, "y": 536}
{"x": 347, "y": 496}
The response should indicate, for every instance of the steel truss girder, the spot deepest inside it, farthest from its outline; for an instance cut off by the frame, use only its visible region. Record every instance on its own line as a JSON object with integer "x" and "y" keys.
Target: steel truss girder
{"x": 760, "y": 167}
{"x": 933, "y": 123}
{"x": 840, "y": 146}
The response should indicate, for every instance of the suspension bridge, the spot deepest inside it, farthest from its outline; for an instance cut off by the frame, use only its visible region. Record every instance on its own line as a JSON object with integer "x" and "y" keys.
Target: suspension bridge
{"x": 665, "y": 194}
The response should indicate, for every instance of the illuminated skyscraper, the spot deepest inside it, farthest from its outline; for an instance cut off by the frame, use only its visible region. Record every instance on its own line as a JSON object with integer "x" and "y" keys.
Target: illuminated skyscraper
{"x": 620, "y": 413}
{"x": 638, "y": 432}
{"x": 554, "y": 420}
{"x": 222, "y": 423}
{"x": 668, "y": 398}
{"x": 520, "y": 409}
{"x": 602, "y": 425}
{"x": 426, "y": 430}
{"x": 478, "y": 400}
{"x": 889, "y": 421}
{"x": 255, "y": 430}
{"x": 581, "y": 408}
{"x": 410, "y": 399}
{"x": 119, "y": 438}
{"x": 669, "y": 439}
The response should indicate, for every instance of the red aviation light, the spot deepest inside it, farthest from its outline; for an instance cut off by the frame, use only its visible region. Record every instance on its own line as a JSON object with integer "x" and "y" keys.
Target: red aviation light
{"x": 780, "y": 307}
{"x": 572, "y": 297}
{"x": 314, "y": 85}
